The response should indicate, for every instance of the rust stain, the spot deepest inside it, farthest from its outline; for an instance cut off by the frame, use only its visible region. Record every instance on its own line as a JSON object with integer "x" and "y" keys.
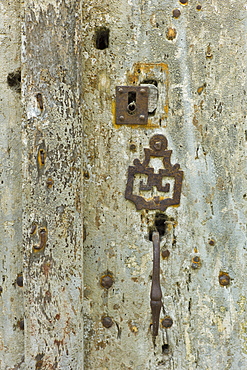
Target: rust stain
{"x": 135, "y": 279}
{"x": 100, "y": 345}
{"x": 142, "y": 72}
{"x": 49, "y": 182}
{"x": 224, "y": 278}
{"x": 46, "y": 267}
{"x": 41, "y": 157}
{"x": 201, "y": 88}
{"x": 133, "y": 328}
{"x": 171, "y": 33}
{"x": 146, "y": 69}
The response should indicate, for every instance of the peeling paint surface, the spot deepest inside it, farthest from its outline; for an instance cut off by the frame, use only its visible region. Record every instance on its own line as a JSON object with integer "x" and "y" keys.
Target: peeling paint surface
{"x": 70, "y": 56}
{"x": 52, "y": 231}
{"x": 11, "y": 261}
{"x": 194, "y": 53}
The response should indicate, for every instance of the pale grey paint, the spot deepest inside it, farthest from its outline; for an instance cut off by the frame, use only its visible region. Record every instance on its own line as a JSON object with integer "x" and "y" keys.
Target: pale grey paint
{"x": 205, "y": 128}
{"x": 11, "y": 298}
{"x": 53, "y": 276}
{"x": 201, "y": 110}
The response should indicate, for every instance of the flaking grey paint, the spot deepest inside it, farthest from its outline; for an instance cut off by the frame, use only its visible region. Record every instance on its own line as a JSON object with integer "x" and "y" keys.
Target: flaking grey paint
{"x": 198, "y": 60}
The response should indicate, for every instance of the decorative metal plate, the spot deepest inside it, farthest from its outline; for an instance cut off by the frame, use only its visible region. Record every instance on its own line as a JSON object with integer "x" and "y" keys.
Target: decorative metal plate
{"x": 158, "y": 146}
{"x": 132, "y": 105}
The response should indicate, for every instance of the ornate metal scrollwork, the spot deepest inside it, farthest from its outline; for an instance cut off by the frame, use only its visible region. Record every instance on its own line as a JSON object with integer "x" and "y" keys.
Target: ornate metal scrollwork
{"x": 158, "y": 148}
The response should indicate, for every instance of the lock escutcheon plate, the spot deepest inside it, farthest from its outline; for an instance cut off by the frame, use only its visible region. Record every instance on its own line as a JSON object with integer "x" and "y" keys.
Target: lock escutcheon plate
{"x": 132, "y": 105}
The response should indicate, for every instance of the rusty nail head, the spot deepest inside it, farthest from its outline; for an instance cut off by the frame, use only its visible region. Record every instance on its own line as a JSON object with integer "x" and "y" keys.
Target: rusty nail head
{"x": 49, "y": 182}
{"x": 106, "y": 281}
{"x": 157, "y": 145}
{"x": 183, "y": 1}
{"x": 176, "y": 13}
{"x": 211, "y": 242}
{"x": 165, "y": 253}
{"x": 224, "y": 279}
{"x": 107, "y": 322}
{"x": 196, "y": 262}
{"x": 196, "y": 259}
{"x": 167, "y": 322}
{"x": 198, "y": 7}
{"x": 19, "y": 280}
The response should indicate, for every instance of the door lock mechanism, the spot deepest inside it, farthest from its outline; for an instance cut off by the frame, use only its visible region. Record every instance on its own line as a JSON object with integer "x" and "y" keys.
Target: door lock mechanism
{"x": 132, "y": 105}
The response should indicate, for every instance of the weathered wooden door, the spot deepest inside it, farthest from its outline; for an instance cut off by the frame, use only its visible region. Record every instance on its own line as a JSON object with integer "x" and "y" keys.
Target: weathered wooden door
{"x": 195, "y": 55}
{"x": 173, "y": 160}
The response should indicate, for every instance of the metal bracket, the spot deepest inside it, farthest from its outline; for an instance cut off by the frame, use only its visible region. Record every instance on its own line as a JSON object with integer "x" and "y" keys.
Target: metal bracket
{"x": 158, "y": 149}
{"x": 156, "y": 293}
{"x": 132, "y": 105}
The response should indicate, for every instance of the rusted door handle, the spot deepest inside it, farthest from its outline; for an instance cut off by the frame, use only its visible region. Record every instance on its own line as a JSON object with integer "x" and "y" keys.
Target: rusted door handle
{"x": 156, "y": 293}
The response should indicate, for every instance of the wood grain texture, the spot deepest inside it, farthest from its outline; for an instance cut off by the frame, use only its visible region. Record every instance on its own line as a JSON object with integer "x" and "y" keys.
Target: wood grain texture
{"x": 197, "y": 60}
{"x": 52, "y": 137}
{"x": 11, "y": 260}
{"x": 196, "y": 55}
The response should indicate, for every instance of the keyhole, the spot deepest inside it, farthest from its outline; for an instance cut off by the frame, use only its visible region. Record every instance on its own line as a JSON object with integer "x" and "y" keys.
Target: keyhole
{"x": 131, "y": 108}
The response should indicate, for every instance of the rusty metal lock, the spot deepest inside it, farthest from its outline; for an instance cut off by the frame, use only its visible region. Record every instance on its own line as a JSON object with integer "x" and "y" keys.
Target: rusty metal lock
{"x": 132, "y": 105}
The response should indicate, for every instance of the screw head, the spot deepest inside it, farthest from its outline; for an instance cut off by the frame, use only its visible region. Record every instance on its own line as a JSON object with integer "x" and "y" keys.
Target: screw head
{"x": 196, "y": 262}
{"x": 224, "y": 279}
{"x": 132, "y": 147}
{"x": 165, "y": 253}
{"x": 120, "y": 90}
{"x": 142, "y": 117}
{"x": 158, "y": 145}
{"x": 106, "y": 281}
{"x": 176, "y": 13}
{"x": 121, "y": 118}
{"x": 143, "y": 91}
{"x": 167, "y": 322}
{"x": 107, "y": 322}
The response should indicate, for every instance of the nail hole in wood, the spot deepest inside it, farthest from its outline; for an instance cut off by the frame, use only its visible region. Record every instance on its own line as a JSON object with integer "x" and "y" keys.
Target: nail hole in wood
{"x": 102, "y": 38}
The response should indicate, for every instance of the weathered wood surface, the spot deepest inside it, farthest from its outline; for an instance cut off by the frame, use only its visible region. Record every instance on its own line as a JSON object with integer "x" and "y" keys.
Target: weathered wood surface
{"x": 198, "y": 60}
{"x": 11, "y": 295}
{"x": 52, "y": 232}
{"x": 197, "y": 57}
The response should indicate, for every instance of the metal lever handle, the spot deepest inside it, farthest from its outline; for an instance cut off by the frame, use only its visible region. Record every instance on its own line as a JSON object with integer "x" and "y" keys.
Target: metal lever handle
{"x": 156, "y": 293}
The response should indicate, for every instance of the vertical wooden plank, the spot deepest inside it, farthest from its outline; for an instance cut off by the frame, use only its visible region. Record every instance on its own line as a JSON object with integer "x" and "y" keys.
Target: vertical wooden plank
{"x": 51, "y": 190}
{"x": 11, "y": 294}
{"x": 196, "y": 53}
